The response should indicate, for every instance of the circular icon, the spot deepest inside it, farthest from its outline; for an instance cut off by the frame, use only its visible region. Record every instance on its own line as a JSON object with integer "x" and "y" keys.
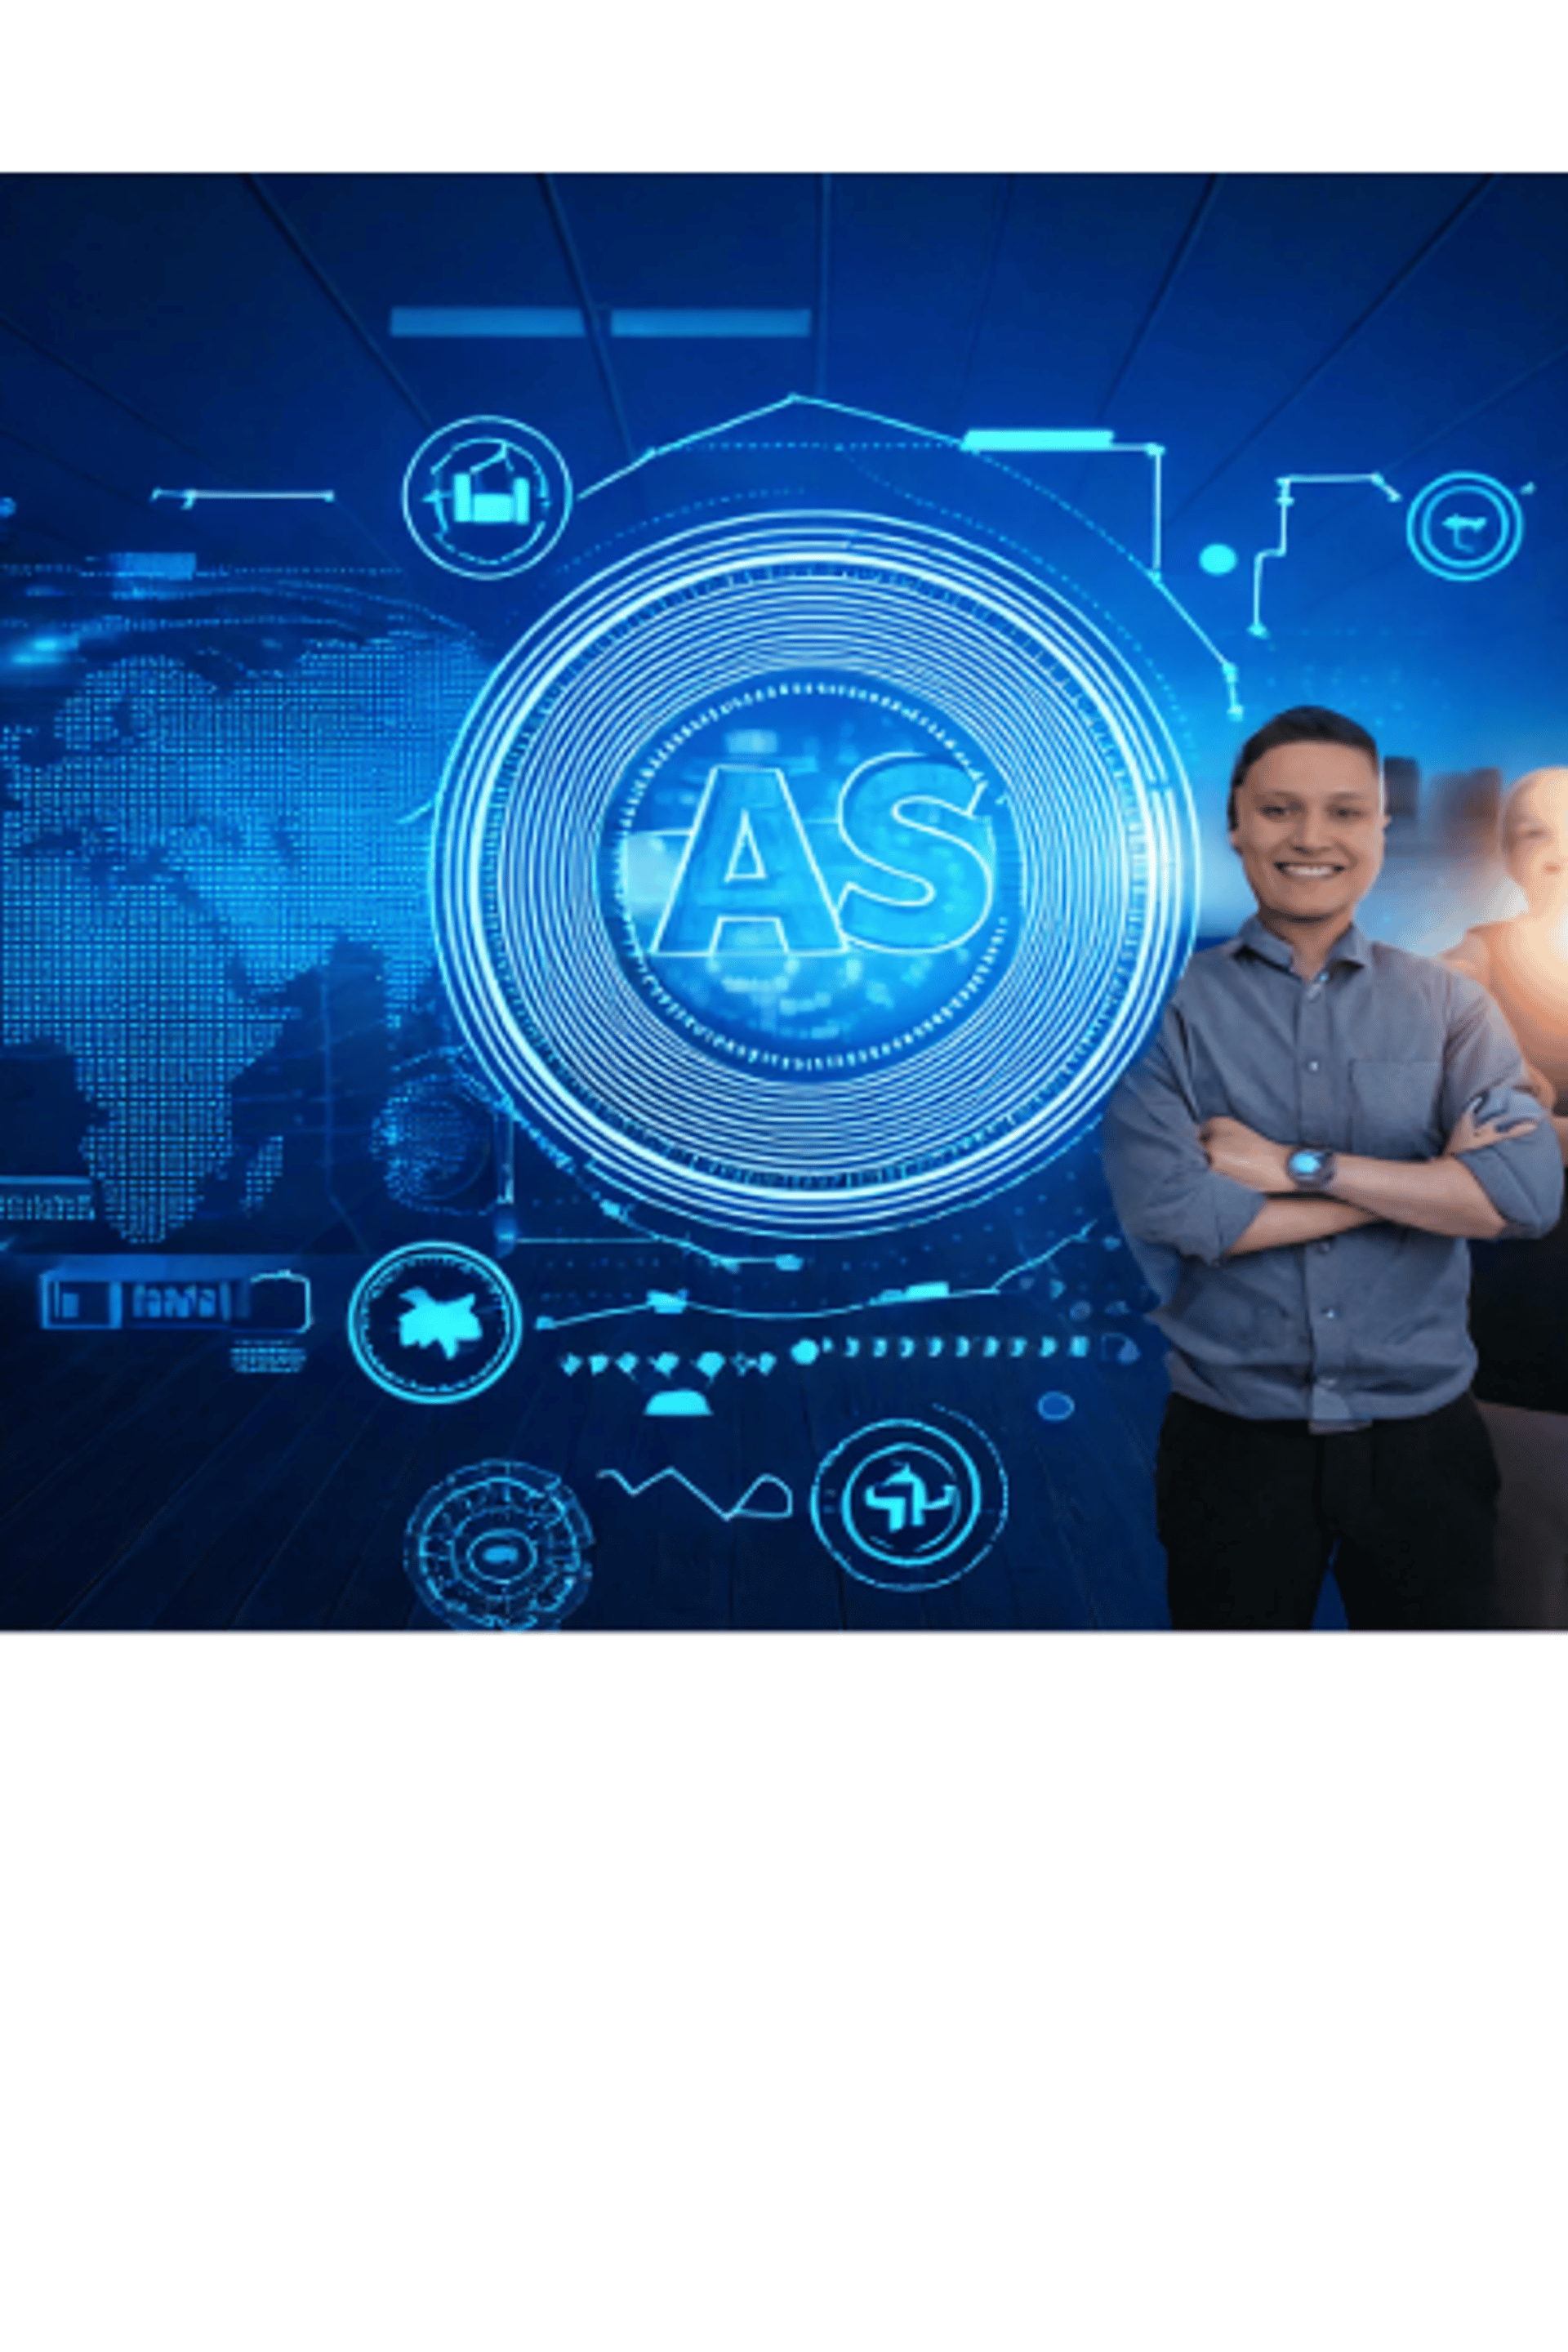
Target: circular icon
{"x": 487, "y": 496}
{"x": 906, "y": 1506}
{"x": 1464, "y": 526}
{"x": 809, "y": 874}
{"x": 500, "y": 1545}
{"x": 435, "y": 1322}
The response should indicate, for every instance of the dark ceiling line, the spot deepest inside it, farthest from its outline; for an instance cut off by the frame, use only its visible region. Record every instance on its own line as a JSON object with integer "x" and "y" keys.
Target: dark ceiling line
{"x": 345, "y": 310}
{"x": 128, "y": 408}
{"x": 1492, "y": 399}
{"x": 1401, "y": 276}
{"x": 591, "y": 319}
{"x": 94, "y": 481}
{"x": 1001, "y": 206}
{"x": 12, "y": 555}
{"x": 823, "y": 257}
{"x": 1173, "y": 270}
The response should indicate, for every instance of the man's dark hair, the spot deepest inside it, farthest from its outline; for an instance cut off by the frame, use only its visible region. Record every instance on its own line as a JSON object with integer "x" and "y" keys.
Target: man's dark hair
{"x": 1309, "y": 722}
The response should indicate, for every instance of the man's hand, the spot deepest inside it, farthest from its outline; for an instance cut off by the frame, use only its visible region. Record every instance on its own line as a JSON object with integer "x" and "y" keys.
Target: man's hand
{"x": 1466, "y": 1136}
{"x": 1250, "y": 1159}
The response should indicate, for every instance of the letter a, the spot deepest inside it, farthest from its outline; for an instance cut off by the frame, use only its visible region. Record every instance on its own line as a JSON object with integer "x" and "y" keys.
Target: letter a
{"x": 748, "y": 861}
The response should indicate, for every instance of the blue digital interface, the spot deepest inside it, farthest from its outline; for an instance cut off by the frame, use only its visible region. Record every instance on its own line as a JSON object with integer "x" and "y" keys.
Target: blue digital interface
{"x": 591, "y": 859}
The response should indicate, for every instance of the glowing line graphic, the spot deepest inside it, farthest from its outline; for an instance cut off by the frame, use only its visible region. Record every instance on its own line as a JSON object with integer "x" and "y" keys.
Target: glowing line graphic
{"x": 680, "y": 1303}
{"x": 1287, "y": 482}
{"x": 742, "y": 1509}
{"x": 1044, "y": 440}
{"x": 907, "y": 433}
{"x": 188, "y": 499}
{"x": 1043, "y": 436}
{"x": 771, "y": 408}
{"x": 1228, "y": 670}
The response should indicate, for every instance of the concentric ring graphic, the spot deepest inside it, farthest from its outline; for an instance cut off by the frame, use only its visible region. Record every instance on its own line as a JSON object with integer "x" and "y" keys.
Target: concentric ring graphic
{"x": 1096, "y": 803}
{"x": 909, "y": 1507}
{"x": 1479, "y": 542}
{"x": 500, "y": 1545}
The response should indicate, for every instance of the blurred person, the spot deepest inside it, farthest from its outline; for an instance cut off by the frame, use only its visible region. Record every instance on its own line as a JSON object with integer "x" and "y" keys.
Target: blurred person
{"x": 1322, "y": 1123}
{"x": 1518, "y": 1299}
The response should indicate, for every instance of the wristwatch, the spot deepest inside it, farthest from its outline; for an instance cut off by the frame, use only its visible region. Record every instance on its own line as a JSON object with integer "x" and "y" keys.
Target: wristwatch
{"x": 1312, "y": 1171}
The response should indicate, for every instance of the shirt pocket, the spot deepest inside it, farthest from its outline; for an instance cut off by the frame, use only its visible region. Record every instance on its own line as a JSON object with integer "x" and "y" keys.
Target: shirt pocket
{"x": 1395, "y": 1111}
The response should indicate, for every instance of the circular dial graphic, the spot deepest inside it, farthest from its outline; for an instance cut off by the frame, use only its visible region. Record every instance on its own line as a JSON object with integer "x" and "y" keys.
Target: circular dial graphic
{"x": 1465, "y": 526}
{"x": 487, "y": 496}
{"x": 435, "y": 1322}
{"x": 499, "y": 1546}
{"x": 910, "y": 1505}
{"x": 811, "y": 872}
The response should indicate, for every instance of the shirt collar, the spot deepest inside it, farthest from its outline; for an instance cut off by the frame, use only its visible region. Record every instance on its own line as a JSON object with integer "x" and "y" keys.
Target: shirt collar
{"x": 1351, "y": 946}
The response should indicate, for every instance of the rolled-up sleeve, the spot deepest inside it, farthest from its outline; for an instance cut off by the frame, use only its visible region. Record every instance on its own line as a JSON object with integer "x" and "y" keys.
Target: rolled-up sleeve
{"x": 1171, "y": 1204}
{"x": 1483, "y": 1067}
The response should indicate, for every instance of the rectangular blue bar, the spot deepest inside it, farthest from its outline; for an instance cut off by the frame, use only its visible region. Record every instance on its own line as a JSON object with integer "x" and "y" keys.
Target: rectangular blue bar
{"x": 160, "y": 563}
{"x": 527, "y": 320}
{"x": 1042, "y": 436}
{"x": 648, "y": 325}
{"x": 124, "y": 1293}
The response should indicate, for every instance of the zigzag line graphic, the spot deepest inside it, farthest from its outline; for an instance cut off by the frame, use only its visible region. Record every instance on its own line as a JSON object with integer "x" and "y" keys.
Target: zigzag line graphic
{"x": 741, "y": 1510}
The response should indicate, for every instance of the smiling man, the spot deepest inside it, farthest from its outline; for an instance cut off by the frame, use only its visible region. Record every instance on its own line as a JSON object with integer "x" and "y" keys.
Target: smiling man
{"x": 1321, "y": 1124}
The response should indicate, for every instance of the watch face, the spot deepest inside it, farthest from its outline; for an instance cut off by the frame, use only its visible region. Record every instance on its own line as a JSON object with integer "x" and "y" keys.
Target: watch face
{"x": 1307, "y": 1166}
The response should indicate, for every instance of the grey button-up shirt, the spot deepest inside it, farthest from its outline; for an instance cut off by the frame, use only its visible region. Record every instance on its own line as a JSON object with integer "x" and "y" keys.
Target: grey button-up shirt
{"x": 1378, "y": 1056}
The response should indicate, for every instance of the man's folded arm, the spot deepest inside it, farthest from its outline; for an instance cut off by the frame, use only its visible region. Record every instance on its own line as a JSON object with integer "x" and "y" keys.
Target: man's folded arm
{"x": 1166, "y": 1194}
{"x": 1286, "y": 1219}
{"x": 1521, "y": 1175}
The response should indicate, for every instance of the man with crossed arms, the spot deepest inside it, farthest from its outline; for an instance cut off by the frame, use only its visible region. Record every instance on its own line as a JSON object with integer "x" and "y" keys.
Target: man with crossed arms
{"x": 1298, "y": 1161}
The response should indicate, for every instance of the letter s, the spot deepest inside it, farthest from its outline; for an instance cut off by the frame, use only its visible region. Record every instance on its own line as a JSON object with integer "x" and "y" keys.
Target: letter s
{"x": 916, "y": 819}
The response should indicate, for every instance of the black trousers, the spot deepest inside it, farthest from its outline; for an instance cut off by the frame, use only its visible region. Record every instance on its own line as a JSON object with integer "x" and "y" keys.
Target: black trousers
{"x": 1251, "y": 1511}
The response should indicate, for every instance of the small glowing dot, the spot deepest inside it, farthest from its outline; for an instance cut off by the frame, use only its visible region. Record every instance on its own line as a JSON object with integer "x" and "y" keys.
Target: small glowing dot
{"x": 1218, "y": 559}
{"x": 1054, "y": 1406}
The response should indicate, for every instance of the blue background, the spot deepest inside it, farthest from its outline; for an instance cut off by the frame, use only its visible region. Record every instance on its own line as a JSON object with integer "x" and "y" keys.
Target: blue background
{"x": 224, "y": 333}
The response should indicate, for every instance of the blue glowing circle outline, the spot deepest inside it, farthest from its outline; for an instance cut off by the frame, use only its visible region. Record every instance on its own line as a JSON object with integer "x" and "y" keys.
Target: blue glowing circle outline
{"x": 698, "y": 1019}
{"x": 488, "y": 1271}
{"x": 541, "y": 1508}
{"x": 945, "y": 1441}
{"x": 521, "y": 436}
{"x": 1504, "y": 505}
{"x": 1139, "y": 930}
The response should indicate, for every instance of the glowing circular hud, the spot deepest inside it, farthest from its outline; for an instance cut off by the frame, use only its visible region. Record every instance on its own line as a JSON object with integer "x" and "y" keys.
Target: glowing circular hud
{"x": 499, "y": 1546}
{"x": 909, "y": 1504}
{"x": 811, "y": 872}
{"x": 434, "y": 1323}
{"x": 487, "y": 496}
{"x": 1464, "y": 526}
